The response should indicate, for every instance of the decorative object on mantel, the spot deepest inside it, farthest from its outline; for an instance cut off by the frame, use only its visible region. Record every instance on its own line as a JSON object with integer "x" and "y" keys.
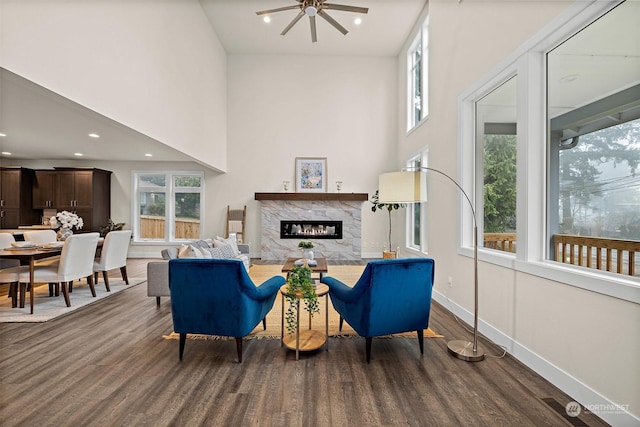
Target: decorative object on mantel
{"x": 300, "y": 285}
{"x": 111, "y": 226}
{"x": 311, "y": 174}
{"x": 388, "y": 252}
{"x": 65, "y": 221}
{"x": 285, "y": 185}
{"x": 338, "y": 186}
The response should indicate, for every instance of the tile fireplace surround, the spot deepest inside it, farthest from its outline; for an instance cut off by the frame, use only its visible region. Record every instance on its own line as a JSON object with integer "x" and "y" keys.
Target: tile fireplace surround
{"x": 276, "y": 207}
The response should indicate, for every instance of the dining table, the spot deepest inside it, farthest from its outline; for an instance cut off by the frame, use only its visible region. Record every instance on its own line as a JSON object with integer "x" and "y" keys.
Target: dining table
{"x": 29, "y": 255}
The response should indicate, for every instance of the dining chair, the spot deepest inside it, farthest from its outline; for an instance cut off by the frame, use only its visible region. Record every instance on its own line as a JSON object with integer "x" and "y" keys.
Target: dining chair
{"x": 113, "y": 255}
{"x": 10, "y": 269}
{"x": 41, "y": 237}
{"x": 76, "y": 262}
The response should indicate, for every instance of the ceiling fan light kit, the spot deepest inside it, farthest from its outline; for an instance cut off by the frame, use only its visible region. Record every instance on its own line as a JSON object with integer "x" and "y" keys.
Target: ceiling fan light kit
{"x": 311, "y": 8}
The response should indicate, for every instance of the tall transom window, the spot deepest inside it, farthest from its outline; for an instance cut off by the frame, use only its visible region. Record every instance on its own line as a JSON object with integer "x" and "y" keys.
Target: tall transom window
{"x": 417, "y": 68}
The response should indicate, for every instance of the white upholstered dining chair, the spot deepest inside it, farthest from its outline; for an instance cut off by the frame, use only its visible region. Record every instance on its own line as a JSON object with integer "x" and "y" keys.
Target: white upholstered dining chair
{"x": 10, "y": 269}
{"x": 113, "y": 255}
{"x": 40, "y": 237}
{"x": 76, "y": 262}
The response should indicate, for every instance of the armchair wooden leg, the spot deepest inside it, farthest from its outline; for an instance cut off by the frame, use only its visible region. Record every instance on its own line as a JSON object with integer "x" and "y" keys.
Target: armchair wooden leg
{"x": 239, "y": 348}
{"x": 91, "y": 285}
{"x": 183, "y": 340}
{"x": 341, "y": 322}
{"x": 264, "y": 323}
{"x": 95, "y": 277}
{"x": 65, "y": 293}
{"x": 421, "y": 340}
{"x": 123, "y": 271}
{"x": 105, "y": 276}
{"x": 158, "y": 301}
{"x": 368, "y": 347}
{"x": 70, "y": 286}
{"x": 51, "y": 285}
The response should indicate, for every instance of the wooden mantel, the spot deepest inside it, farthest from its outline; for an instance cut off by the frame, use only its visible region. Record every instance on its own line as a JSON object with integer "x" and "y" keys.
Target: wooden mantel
{"x": 361, "y": 197}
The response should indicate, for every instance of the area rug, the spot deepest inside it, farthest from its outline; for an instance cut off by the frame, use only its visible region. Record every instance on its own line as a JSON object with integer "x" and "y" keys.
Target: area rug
{"x": 47, "y": 308}
{"x": 348, "y": 274}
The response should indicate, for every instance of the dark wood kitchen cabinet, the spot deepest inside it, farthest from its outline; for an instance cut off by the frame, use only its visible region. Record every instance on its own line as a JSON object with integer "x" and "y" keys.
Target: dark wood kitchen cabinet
{"x": 15, "y": 198}
{"x": 44, "y": 186}
{"x": 85, "y": 191}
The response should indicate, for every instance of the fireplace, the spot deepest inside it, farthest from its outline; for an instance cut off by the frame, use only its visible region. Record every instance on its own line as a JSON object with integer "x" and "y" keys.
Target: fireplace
{"x": 308, "y": 229}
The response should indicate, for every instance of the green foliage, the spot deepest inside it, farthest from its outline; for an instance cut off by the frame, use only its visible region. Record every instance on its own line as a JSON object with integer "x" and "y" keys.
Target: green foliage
{"x": 299, "y": 284}
{"x": 305, "y": 244}
{"x": 499, "y": 183}
{"x": 389, "y": 207}
{"x": 111, "y": 226}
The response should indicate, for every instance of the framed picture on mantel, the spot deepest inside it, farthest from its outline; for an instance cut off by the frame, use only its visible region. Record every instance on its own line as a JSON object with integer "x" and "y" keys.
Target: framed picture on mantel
{"x": 311, "y": 174}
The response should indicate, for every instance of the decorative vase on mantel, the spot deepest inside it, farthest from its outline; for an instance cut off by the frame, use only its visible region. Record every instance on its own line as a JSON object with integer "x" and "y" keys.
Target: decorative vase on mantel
{"x": 307, "y": 254}
{"x": 63, "y": 234}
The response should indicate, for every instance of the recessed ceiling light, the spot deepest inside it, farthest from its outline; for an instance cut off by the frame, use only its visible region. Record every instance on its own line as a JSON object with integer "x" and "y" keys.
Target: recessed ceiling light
{"x": 6, "y": 153}
{"x": 94, "y": 135}
{"x": 78, "y": 154}
{"x": 149, "y": 155}
{"x": 357, "y": 21}
{"x": 266, "y": 19}
{"x": 3, "y": 134}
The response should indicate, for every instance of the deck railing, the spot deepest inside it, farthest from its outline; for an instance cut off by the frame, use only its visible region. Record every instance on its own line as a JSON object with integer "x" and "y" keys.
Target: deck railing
{"x": 500, "y": 241}
{"x": 615, "y": 255}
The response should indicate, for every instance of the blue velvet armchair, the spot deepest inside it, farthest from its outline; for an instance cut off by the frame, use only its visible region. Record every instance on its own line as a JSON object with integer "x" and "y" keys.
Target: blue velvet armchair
{"x": 391, "y": 296}
{"x": 217, "y": 297}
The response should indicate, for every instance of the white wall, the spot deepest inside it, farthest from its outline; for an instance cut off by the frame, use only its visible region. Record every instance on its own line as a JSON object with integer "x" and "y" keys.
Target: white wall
{"x": 584, "y": 342}
{"x": 155, "y": 66}
{"x": 283, "y": 107}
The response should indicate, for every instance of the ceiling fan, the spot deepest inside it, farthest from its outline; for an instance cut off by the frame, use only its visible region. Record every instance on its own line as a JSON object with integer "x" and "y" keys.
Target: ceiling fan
{"x": 311, "y": 8}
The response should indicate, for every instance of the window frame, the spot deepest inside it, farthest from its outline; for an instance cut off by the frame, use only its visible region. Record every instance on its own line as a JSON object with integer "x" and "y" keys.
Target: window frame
{"x": 421, "y": 41}
{"x": 170, "y": 191}
{"x": 529, "y": 63}
{"x": 410, "y": 244}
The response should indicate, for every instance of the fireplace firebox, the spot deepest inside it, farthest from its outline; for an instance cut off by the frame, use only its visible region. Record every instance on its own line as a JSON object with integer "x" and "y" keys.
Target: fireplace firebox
{"x": 307, "y": 229}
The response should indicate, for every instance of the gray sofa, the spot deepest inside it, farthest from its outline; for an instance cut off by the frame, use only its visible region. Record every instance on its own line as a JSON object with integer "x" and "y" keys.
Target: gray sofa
{"x": 158, "y": 271}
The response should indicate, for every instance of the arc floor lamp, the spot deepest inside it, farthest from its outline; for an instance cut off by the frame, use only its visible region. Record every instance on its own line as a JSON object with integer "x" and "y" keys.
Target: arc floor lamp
{"x": 410, "y": 186}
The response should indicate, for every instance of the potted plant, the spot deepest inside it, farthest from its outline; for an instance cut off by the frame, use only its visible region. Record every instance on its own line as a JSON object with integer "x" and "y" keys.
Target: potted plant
{"x": 305, "y": 246}
{"x": 111, "y": 226}
{"x": 300, "y": 286}
{"x": 390, "y": 207}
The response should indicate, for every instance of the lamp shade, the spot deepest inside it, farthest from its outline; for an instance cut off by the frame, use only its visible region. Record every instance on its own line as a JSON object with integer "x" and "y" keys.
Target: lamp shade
{"x": 402, "y": 187}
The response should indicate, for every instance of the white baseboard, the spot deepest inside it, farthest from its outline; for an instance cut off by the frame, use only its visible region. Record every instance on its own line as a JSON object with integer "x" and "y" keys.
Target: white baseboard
{"x": 616, "y": 414}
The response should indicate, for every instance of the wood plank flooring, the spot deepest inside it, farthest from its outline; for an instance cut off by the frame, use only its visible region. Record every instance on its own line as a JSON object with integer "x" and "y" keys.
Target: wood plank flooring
{"x": 108, "y": 365}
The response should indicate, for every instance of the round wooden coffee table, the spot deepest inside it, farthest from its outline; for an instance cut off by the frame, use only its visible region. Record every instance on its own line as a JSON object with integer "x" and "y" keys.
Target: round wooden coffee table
{"x": 306, "y": 339}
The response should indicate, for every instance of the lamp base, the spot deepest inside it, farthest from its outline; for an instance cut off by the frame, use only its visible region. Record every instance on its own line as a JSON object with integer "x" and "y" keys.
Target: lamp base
{"x": 464, "y": 350}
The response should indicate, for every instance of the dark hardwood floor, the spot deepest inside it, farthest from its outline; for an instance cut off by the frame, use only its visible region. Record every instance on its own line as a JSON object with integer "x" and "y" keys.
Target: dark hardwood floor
{"x": 108, "y": 365}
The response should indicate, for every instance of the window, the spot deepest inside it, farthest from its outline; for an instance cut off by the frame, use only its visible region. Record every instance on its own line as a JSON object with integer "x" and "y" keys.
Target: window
{"x": 417, "y": 68}
{"x": 594, "y": 140}
{"x": 169, "y": 206}
{"x": 416, "y": 216}
{"x": 496, "y": 140}
{"x": 576, "y": 117}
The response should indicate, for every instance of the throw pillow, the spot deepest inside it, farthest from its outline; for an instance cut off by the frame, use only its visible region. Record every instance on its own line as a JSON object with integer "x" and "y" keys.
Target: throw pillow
{"x": 189, "y": 251}
{"x": 216, "y": 253}
{"x": 227, "y": 251}
{"x": 221, "y": 241}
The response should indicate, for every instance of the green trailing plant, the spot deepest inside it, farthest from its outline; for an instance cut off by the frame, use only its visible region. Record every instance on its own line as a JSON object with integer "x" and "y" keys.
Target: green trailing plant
{"x": 111, "y": 226}
{"x": 305, "y": 244}
{"x": 389, "y": 207}
{"x": 300, "y": 286}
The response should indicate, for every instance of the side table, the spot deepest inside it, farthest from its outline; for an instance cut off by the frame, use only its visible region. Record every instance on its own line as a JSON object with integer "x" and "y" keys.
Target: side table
{"x": 306, "y": 339}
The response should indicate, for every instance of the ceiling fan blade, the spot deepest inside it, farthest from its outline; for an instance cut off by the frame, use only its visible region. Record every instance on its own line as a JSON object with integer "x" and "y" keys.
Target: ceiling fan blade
{"x": 280, "y": 9}
{"x": 292, "y": 23}
{"x": 314, "y": 35}
{"x": 345, "y": 8}
{"x": 333, "y": 22}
